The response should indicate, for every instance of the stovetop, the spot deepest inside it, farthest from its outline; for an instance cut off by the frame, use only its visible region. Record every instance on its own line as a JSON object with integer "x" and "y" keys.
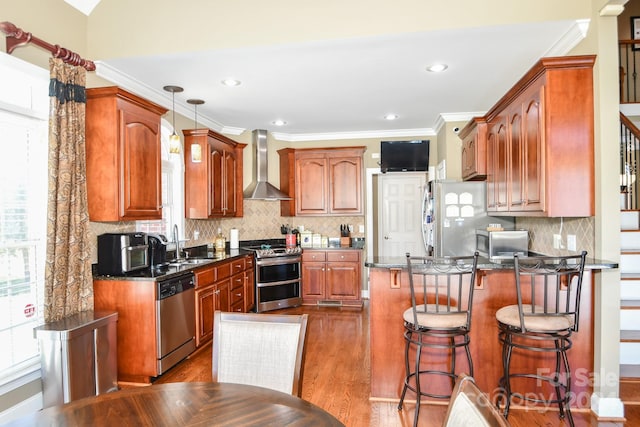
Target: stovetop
{"x": 270, "y": 248}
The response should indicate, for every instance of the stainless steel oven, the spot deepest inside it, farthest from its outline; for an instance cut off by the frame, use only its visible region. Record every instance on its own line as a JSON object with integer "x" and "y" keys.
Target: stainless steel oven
{"x": 278, "y": 277}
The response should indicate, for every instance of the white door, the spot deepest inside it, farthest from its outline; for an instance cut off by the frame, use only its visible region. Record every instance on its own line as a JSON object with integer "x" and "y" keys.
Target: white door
{"x": 399, "y": 214}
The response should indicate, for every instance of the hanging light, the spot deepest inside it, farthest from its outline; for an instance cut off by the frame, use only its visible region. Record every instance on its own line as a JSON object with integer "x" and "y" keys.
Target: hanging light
{"x": 196, "y": 149}
{"x": 174, "y": 139}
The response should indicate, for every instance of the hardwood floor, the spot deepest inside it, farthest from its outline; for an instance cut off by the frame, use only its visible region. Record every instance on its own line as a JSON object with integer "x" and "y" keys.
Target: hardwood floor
{"x": 336, "y": 378}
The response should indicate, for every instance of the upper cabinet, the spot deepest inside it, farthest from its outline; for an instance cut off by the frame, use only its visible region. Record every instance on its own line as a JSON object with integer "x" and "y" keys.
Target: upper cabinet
{"x": 540, "y": 158}
{"x": 213, "y": 175}
{"x": 322, "y": 181}
{"x": 123, "y": 156}
{"x": 474, "y": 150}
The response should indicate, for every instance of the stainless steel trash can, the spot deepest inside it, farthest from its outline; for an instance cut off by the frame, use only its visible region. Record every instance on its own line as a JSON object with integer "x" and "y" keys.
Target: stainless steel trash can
{"x": 78, "y": 356}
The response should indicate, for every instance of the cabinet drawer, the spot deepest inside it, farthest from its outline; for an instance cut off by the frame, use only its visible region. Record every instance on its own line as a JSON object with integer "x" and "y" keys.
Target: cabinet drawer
{"x": 248, "y": 263}
{"x": 237, "y": 281}
{"x": 223, "y": 271}
{"x": 237, "y": 295}
{"x": 237, "y": 266}
{"x": 343, "y": 256}
{"x": 314, "y": 256}
{"x": 205, "y": 277}
{"x": 238, "y": 307}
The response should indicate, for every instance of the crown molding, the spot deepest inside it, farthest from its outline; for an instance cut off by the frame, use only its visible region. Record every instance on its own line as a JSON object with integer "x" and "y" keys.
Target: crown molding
{"x": 159, "y": 96}
{"x": 329, "y": 136}
{"x": 570, "y": 39}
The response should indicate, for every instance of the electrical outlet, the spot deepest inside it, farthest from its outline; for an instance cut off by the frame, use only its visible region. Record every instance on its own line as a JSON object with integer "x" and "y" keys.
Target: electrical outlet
{"x": 557, "y": 241}
{"x": 361, "y": 228}
{"x": 571, "y": 242}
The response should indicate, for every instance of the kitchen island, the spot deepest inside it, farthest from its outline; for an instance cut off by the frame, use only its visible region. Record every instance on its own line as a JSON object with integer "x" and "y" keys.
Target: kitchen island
{"x": 389, "y": 295}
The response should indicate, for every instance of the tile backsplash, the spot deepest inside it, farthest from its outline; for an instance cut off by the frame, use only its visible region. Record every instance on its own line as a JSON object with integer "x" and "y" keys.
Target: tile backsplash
{"x": 261, "y": 220}
{"x": 541, "y": 231}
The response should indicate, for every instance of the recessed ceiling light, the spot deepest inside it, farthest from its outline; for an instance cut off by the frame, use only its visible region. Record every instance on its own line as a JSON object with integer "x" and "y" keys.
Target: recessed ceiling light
{"x": 437, "y": 68}
{"x": 390, "y": 116}
{"x": 279, "y": 122}
{"x": 231, "y": 82}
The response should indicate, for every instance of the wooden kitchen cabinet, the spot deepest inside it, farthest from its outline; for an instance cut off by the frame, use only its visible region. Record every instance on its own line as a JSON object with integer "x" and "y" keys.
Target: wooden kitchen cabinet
{"x": 474, "y": 150}
{"x": 322, "y": 181}
{"x": 123, "y": 156}
{"x": 221, "y": 286}
{"x": 540, "y": 151}
{"x": 331, "y": 277}
{"x": 213, "y": 180}
{"x": 135, "y": 302}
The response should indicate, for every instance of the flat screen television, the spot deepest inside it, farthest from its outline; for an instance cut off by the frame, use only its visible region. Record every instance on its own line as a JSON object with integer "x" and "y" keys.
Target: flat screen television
{"x": 404, "y": 156}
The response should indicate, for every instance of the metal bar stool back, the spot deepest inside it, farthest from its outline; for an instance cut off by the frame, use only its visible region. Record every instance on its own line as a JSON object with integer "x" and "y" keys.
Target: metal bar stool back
{"x": 545, "y": 316}
{"x": 438, "y": 321}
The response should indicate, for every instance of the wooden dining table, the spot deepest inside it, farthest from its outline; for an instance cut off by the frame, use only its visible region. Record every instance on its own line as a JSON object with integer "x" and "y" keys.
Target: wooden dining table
{"x": 184, "y": 404}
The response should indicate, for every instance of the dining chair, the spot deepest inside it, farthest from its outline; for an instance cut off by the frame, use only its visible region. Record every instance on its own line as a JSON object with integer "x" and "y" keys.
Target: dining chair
{"x": 437, "y": 322}
{"x": 470, "y": 406}
{"x": 265, "y": 350}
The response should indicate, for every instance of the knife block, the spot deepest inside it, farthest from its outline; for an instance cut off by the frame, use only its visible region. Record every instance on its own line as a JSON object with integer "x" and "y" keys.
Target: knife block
{"x": 345, "y": 242}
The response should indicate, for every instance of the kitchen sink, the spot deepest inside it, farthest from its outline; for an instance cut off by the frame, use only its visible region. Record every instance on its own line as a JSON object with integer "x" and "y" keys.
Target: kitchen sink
{"x": 189, "y": 261}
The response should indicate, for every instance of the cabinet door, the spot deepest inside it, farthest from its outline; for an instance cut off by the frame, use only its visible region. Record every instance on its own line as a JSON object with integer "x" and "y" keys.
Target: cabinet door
{"x": 468, "y": 157}
{"x": 205, "y": 300}
{"x": 515, "y": 184}
{"x": 249, "y": 289}
{"x": 345, "y": 178}
{"x": 343, "y": 280}
{"x": 229, "y": 185}
{"x": 492, "y": 164}
{"x": 313, "y": 280}
{"x": 311, "y": 185}
{"x": 216, "y": 198}
{"x": 141, "y": 192}
{"x": 501, "y": 172}
{"x": 222, "y": 292}
{"x": 533, "y": 159}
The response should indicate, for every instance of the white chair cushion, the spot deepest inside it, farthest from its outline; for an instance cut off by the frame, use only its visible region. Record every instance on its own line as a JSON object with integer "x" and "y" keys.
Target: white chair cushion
{"x": 434, "y": 320}
{"x": 509, "y": 315}
{"x": 464, "y": 413}
{"x": 262, "y": 354}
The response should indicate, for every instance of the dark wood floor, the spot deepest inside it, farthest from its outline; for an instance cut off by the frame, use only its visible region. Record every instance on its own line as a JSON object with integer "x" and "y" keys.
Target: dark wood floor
{"x": 336, "y": 378}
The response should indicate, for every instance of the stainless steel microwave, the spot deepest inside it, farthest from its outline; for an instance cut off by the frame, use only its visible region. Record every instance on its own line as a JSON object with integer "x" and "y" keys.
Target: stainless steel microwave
{"x": 122, "y": 253}
{"x": 503, "y": 244}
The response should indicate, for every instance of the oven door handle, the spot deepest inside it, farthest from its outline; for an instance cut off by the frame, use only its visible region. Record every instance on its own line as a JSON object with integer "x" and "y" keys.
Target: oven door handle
{"x": 261, "y": 262}
{"x": 282, "y": 282}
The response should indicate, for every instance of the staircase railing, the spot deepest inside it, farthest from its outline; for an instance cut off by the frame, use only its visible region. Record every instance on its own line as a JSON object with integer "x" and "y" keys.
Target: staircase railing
{"x": 629, "y": 67}
{"x": 629, "y": 156}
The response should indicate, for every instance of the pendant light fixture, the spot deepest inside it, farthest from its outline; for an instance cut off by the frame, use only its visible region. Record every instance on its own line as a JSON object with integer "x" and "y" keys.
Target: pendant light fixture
{"x": 196, "y": 149}
{"x": 174, "y": 139}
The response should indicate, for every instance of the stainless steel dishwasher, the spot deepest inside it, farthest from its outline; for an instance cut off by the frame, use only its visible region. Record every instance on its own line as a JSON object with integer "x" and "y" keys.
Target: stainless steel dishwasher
{"x": 176, "y": 323}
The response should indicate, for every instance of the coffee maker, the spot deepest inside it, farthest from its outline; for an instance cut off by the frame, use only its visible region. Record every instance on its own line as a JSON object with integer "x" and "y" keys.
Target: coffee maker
{"x": 158, "y": 250}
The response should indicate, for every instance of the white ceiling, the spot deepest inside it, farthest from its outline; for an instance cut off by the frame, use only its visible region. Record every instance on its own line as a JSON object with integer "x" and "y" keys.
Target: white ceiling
{"x": 343, "y": 89}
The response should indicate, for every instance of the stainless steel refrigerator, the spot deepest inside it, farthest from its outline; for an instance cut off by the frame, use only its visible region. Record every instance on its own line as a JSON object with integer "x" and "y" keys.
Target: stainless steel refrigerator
{"x": 451, "y": 213}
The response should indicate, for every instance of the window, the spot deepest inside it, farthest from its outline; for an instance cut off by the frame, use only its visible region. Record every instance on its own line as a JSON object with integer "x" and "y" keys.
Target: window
{"x": 23, "y": 204}
{"x": 172, "y": 192}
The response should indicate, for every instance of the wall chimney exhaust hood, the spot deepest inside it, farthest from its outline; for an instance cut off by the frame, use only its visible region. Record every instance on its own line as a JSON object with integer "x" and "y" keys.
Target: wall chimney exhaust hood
{"x": 260, "y": 188}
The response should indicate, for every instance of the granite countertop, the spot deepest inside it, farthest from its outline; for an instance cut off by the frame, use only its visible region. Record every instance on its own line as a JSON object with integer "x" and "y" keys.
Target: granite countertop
{"x": 170, "y": 271}
{"x": 483, "y": 263}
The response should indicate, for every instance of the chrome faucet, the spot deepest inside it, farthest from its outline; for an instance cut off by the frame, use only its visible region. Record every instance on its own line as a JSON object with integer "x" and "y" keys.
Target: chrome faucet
{"x": 176, "y": 240}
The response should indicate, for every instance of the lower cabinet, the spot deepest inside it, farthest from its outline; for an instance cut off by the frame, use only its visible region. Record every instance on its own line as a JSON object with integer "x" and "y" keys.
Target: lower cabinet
{"x": 223, "y": 286}
{"x": 332, "y": 277}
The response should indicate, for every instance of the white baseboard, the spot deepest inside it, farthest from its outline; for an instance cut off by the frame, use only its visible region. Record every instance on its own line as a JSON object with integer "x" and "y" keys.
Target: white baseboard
{"x": 25, "y": 407}
{"x": 607, "y": 407}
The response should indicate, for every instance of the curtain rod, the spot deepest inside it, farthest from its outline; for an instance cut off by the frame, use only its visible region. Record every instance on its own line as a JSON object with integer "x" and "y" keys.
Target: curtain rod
{"x": 16, "y": 37}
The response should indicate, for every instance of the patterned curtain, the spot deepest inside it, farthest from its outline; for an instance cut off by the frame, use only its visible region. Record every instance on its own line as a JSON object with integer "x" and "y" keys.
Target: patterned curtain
{"x": 68, "y": 278}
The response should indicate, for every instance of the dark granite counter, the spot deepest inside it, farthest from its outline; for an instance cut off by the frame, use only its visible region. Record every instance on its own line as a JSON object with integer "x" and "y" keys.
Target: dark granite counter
{"x": 483, "y": 263}
{"x": 197, "y": 259}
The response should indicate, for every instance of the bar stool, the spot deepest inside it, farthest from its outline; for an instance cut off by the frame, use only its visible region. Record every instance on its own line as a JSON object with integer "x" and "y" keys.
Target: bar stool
{"x": 542, "y": 321}
{"x": 439, "y": 317}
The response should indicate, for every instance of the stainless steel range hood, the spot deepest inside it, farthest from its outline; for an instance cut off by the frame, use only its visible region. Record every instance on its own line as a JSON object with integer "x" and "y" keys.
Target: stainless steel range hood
{"x": 260, "y": 189}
